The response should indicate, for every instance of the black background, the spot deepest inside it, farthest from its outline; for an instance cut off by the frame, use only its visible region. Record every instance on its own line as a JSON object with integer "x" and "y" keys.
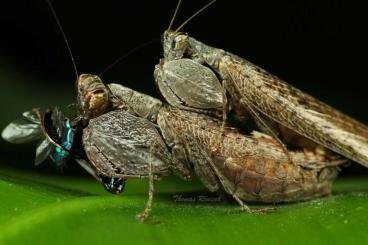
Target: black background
{"x": 318, "y": 46}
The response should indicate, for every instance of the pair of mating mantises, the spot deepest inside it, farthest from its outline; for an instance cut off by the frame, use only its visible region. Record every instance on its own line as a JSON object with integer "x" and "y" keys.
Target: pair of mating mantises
{"x": 211, "y": 94}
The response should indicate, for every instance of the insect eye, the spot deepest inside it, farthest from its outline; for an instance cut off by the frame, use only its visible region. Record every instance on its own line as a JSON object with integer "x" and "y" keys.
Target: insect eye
{"x": 92, "y": 96}
{"x": 113, "y": 185}
{"x": 173, "y": 44}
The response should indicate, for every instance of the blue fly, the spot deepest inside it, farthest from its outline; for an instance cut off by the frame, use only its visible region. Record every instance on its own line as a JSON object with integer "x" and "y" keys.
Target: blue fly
{"x": 53, "y": 129}
{"x": 60, "y": 155}
{"x": 58, "y": 142}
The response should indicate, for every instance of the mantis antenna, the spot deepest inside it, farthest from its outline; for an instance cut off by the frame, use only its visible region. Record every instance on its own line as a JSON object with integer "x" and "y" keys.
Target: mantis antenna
{"x": 175, "y": 13}
{"x": 64, "y": 37}
{"x": 194, "y": 15}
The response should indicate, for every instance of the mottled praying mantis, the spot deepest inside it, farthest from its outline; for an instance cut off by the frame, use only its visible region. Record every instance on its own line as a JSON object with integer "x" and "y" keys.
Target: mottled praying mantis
{"x": 248, "y": 167}
{"x": 186, "y": 78}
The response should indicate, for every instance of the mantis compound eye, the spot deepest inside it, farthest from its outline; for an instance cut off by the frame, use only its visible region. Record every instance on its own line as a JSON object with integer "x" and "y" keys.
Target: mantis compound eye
{"x": 112, "y": 185}
{"x": 175, "y": 44}
{"x": 92, "y": 96}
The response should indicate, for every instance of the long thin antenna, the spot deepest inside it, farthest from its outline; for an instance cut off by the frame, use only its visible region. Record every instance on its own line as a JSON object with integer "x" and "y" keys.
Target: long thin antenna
{"x": 194, "y": 15}
{"x": 127, "y": 54}
{"x": 174, "y": 16}
{"x": 64, "y": 36}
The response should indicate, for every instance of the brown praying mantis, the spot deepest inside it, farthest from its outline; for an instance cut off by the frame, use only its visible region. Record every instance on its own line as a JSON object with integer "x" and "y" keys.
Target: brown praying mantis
{"x": 248, "y": 167}
{"x": 188, "y": 74}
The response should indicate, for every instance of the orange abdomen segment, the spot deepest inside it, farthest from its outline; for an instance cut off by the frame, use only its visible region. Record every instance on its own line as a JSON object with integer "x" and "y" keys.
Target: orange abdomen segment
{"x": 265, "y": 180}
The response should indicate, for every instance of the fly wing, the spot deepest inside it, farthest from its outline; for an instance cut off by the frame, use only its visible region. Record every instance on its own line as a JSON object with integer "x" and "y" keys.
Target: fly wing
{"x": 298, "y": 111}
{"x": 24, "y": 129}
{"x": 58, "y": 119}
{"x": 43, "y": 150}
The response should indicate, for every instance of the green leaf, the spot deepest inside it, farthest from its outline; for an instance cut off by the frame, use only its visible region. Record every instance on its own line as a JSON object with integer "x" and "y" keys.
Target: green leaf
{"x": 44, "y": 209}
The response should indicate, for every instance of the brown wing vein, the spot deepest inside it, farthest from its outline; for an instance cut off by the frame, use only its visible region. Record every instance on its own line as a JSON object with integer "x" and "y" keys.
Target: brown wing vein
{"x": 299, "y": 111}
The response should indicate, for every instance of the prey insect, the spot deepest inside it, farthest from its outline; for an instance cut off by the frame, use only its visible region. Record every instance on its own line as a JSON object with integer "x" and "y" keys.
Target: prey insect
{"x": 186, "y": 78}
{"x": 52, "y": 129}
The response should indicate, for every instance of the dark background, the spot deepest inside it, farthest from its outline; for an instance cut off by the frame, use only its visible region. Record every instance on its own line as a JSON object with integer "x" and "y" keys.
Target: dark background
{"x": 318, "y": 46}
